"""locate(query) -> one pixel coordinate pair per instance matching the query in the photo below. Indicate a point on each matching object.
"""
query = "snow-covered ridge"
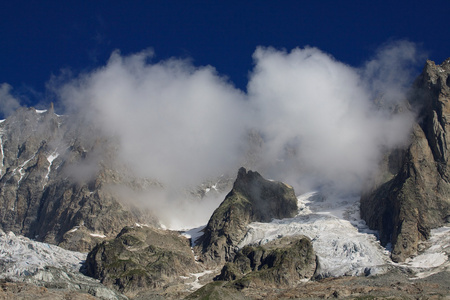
(20, 256)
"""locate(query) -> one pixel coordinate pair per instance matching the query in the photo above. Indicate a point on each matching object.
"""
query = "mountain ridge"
(415, 198)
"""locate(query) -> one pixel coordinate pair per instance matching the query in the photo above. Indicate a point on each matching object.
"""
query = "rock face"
(58, 176)
(252, 199)
(279, 264)
(282, 262)
(142, 258)
(415, 193)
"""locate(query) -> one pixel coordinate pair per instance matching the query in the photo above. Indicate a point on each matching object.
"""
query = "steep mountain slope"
(58, 180)
(415, 195)
(252, 199)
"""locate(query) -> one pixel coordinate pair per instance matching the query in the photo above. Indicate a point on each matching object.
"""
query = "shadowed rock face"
(57, 180)
(252, 199)
(415, 196)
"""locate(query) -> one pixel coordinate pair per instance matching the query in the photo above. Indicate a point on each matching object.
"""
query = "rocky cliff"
(413, 194)
(279, 263)
(58, 179)
(252, 199)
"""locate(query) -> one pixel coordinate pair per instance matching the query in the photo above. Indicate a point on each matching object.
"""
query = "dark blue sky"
(39, 38)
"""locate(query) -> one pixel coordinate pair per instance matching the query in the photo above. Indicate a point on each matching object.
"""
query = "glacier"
(20, 256)
(344, 245)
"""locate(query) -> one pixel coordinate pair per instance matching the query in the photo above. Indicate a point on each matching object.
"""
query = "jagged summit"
(416, 196)
(267, 197)
(252, 199)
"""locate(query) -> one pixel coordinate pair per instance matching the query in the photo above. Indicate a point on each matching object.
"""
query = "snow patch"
(196, 284)
(50, 159)
(99, 235)
(41, 111)
(73, 229)
(435, 258)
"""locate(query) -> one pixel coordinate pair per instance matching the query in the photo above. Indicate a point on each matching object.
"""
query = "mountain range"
(62, 182)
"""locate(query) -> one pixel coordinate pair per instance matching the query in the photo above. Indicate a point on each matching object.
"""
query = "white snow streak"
(73, 229)
(98, 235)
(50, 159)
(21, 171)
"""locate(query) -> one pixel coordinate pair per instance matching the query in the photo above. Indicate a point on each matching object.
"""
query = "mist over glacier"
(320, 120)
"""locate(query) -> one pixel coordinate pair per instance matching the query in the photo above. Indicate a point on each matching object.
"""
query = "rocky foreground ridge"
(412, 194)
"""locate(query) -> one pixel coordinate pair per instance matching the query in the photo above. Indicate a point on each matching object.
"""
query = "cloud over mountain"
(323, 123)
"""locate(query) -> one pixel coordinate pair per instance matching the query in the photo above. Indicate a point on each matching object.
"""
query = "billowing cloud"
(8, 103)
(177, 123)
(318, 117)
(319, 122)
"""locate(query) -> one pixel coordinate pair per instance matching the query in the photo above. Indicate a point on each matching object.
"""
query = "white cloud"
(8, 103)
(177, 123)
(182, 124)
(322, 112)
